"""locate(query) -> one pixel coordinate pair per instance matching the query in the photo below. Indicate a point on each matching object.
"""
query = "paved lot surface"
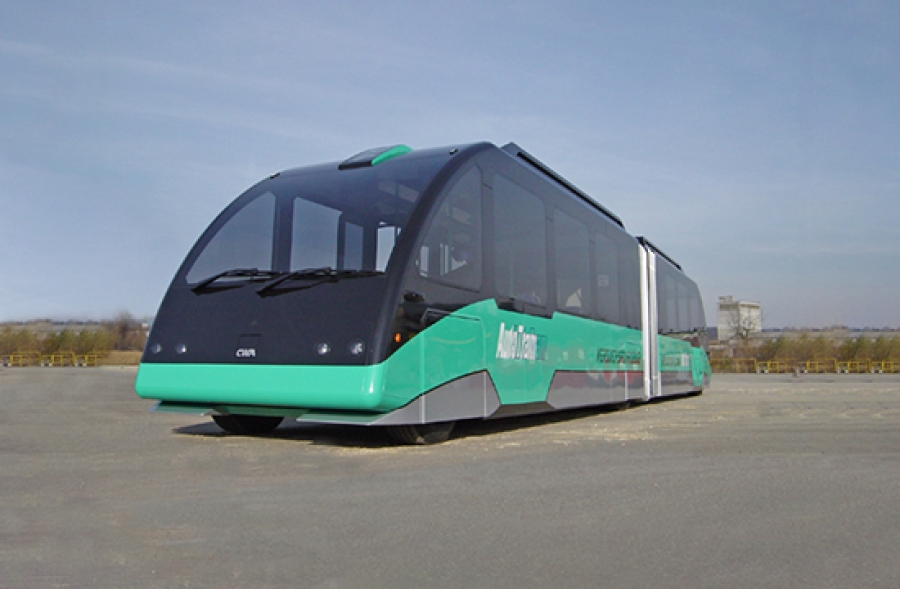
(763, 481)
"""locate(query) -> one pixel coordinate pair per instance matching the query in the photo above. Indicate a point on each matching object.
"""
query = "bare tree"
(124, 330)
(741, 325)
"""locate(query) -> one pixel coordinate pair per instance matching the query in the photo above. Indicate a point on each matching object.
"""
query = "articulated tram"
(415, 288)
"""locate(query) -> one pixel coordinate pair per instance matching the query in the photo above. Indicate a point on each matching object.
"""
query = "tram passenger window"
(573, 264)
(244, 241)
(698, 321)
(451, 249)
(684, 315)
(607, 279)
(668, 311)
(629, 279)
(520, 243)
(314, 235)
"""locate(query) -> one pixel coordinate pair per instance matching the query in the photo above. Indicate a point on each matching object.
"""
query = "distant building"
(738, 318)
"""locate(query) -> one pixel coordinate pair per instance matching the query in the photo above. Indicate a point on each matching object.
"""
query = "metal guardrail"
(774, 367)
(88, 359)
(816, 366)
(884, 367)
(23, 358)
(852, 367)
(35, 358)
(58, 359)
(739, 365)
(830, 366)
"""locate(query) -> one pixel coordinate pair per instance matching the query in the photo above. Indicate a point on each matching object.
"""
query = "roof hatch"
(374, 156)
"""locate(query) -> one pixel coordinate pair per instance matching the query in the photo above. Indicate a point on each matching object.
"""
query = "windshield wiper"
(234, 273)
(326, 274)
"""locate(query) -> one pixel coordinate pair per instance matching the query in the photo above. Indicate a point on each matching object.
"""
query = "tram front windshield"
(312, 219)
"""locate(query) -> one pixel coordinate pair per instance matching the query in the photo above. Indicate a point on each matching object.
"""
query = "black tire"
(429, 433)
(247, 425)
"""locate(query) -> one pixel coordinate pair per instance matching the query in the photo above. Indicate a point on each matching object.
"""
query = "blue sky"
(758, 143)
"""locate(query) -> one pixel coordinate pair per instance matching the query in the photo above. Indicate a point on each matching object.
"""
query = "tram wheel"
(429, 433)
(247, 425)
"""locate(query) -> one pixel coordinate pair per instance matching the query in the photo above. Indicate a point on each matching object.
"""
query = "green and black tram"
(415, 288)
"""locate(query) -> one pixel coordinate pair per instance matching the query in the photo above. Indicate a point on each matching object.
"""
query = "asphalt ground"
(763, 481)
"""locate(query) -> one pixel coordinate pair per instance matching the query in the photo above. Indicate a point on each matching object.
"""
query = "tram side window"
(607, 280)
(698, 321)
(629, 280)
(520, 243)
(451, 250)
(244, 241)
(684, 315)
(680, 308)
(573, 264)
(668, 303)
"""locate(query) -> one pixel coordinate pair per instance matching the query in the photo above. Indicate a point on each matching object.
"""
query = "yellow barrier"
(24, 358)
(852, 367)
(88, 359)
(34, 358)
(58, 359)
(733, 364)
(816, 366)
(884, 367)
(773, 367)
(808, 367)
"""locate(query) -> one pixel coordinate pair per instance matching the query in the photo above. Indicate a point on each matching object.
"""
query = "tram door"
(649, 324)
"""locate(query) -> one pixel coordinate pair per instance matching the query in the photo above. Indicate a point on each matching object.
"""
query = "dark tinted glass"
(680, 308)
(629, 267)
(314, 235)
(245, 241)
(451, 250)
(573, 264)
(607, 279)
(316, 217)
(520, 243)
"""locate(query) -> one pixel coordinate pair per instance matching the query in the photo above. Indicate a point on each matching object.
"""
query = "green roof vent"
(373, 157)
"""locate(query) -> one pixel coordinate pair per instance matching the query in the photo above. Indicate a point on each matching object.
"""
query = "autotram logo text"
(514, 343)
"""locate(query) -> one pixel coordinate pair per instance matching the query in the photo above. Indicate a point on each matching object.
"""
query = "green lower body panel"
(357, 388)
(469, 364)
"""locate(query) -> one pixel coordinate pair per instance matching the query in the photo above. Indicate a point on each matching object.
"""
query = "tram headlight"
(322, 348)
(356, 348)
(180, 349)
(156, 348)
